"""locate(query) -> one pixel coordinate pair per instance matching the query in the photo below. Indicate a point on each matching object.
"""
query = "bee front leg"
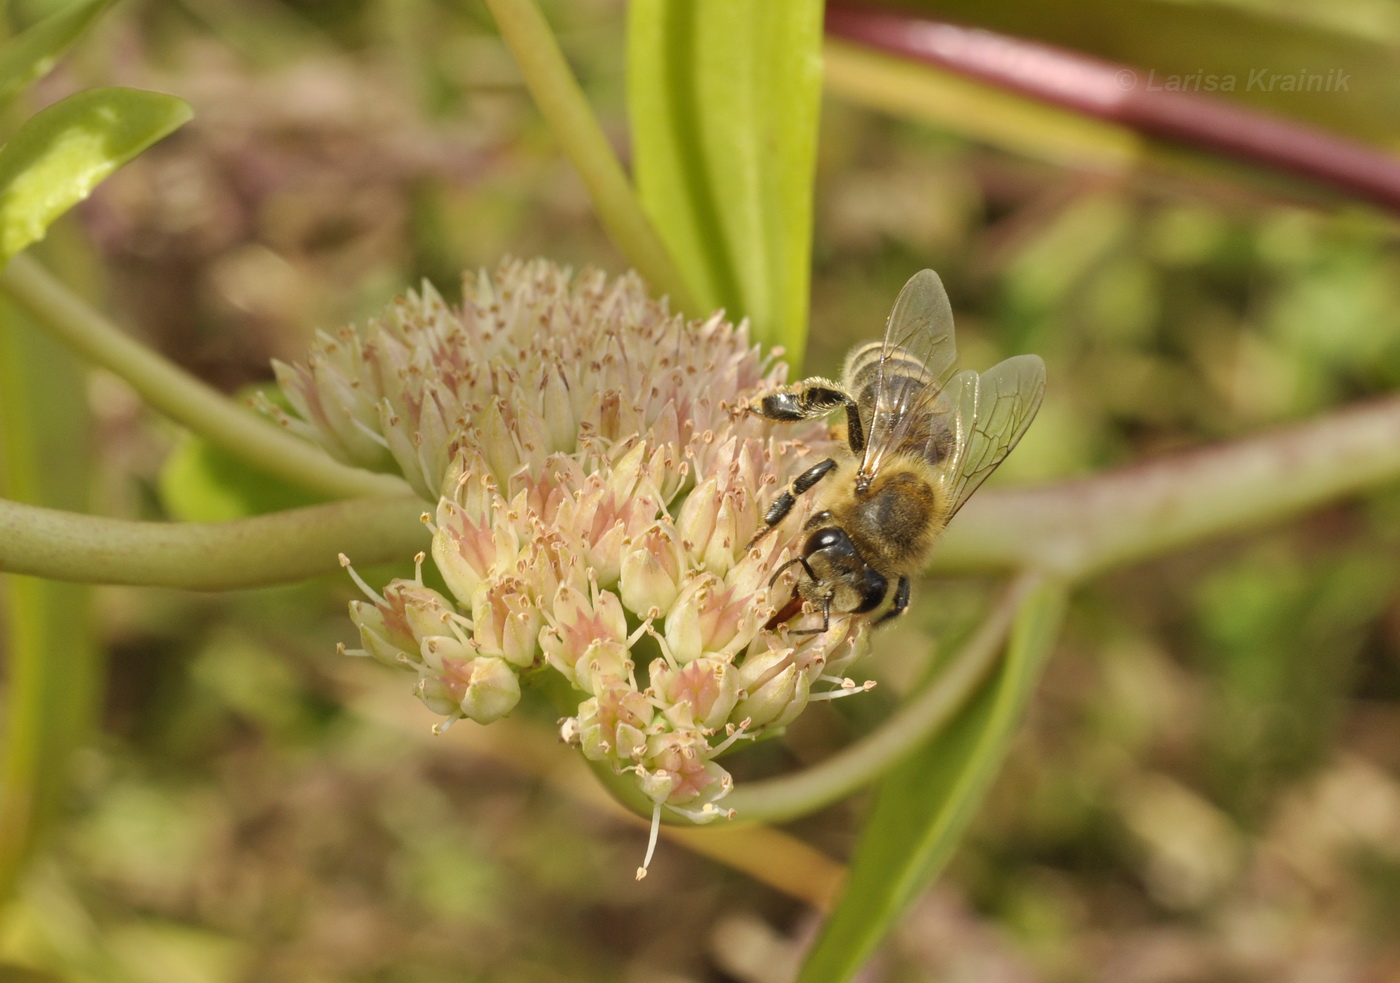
(826, 620)
(783, 504)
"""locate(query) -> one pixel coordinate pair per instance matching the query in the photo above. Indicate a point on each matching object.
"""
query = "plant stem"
(562, 104)
(182, 397)
(256, 552)
(1081, 527)
(781, 799)
(1073, 529)
(1112, 91)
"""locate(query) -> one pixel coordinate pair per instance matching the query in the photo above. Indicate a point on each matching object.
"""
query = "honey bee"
(921, 441)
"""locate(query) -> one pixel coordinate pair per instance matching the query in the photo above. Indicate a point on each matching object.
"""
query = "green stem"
(781, 799)
(1078, 528)
(182, 397)
(562, 104)
(1073, 528)
(266, 549)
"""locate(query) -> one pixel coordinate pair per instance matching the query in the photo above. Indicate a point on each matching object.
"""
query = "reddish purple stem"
(1114, 92)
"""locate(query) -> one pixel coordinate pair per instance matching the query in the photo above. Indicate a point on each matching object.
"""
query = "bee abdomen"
(863, 368)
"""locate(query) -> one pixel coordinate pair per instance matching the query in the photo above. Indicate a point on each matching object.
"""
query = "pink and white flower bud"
(506, 622)
(468, 551)
(696, 522)
(679, 762)
(575, 621)
(613, 726)
(700, 695)
(684, 634)
(775, 690)
(385, 642)
(457, 681)
(425, 611)
(492, 692)
(651, 571)
(710, 617)
(602, 666)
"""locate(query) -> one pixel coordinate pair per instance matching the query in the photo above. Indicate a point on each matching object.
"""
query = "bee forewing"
(999, 408)
(893, 379)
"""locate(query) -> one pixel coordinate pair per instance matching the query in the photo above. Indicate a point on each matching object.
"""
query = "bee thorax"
(894, 523)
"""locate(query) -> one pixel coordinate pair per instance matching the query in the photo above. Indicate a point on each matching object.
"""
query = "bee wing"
(918, 350)
(986, 416)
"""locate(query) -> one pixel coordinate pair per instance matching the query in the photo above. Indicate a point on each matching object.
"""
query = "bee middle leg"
(783, 504)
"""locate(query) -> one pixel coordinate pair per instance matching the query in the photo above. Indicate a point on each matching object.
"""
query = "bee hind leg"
(815, 397)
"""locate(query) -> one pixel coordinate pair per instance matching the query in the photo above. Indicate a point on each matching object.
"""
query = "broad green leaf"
(924, 804)
(64, 151)
(52, 666)
(31, 54)
(723, 97)
(202, 483)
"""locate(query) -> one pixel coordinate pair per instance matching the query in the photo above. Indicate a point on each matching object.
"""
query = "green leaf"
(202, 483)
(53, 668)
(723, 97)
(924, 805)
(31, 54)
(64, 151)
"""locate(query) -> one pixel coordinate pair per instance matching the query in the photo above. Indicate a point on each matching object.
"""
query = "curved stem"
(256, 552)
(1112, 91)
(182, 397)
(1081, 527)
(562, 104)
(780, 799)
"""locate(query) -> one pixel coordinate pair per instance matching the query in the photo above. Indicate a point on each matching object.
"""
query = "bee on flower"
(596, 483)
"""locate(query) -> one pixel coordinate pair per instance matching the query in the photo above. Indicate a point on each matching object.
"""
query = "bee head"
(846, 569)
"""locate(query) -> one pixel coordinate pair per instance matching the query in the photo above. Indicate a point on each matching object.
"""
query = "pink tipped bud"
(506, 622)
(775, 689)
(456, 681)
(379, 639)
(651, 570)
(492, 691)
(680, 762)
(696, 522)
(613, 726)
(699, 695)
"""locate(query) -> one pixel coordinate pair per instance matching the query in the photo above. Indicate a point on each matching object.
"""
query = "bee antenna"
(782, 569)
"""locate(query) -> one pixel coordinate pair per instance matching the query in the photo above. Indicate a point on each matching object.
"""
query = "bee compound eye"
(824, 539)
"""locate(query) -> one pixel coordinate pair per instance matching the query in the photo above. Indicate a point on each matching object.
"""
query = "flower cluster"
(598, 483)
